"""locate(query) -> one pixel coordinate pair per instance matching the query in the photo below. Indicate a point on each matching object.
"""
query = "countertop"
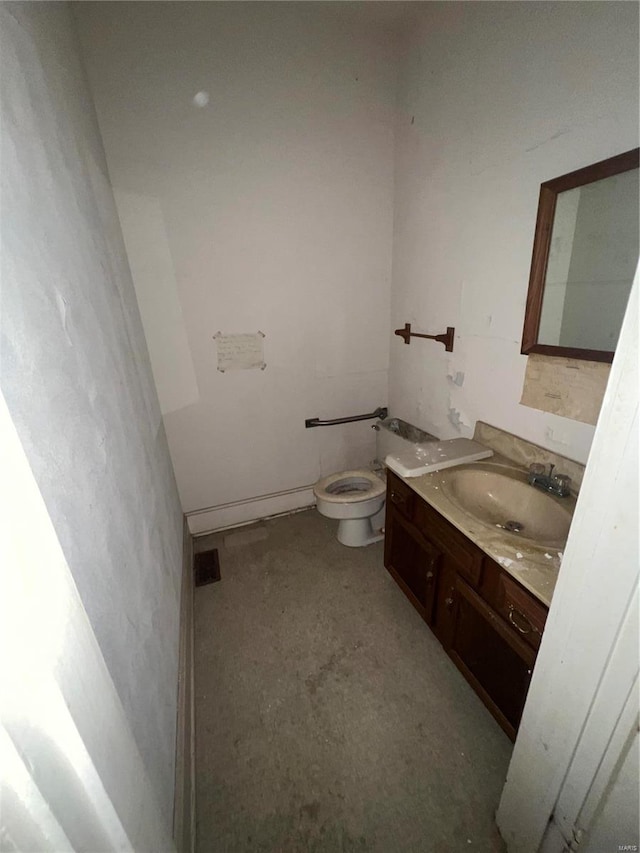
(534, 567)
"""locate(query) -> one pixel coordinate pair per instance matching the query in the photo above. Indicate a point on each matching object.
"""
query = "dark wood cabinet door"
(411, 561)
(444, 609)
(497, 663)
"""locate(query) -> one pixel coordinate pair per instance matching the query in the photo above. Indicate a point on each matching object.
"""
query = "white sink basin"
(501, 496)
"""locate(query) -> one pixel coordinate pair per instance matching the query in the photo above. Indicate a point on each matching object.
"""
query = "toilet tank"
(394, 435)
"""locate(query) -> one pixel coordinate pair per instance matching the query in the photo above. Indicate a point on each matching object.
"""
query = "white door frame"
(588, 660)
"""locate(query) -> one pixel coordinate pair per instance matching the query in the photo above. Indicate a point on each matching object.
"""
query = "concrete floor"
(328, 717)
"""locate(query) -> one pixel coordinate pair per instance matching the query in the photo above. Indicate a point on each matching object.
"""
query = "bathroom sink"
(500, 496)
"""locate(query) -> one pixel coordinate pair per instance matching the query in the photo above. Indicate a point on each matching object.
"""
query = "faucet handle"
(563, 481)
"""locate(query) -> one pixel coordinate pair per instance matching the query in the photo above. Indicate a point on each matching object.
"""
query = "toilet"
(355, 498)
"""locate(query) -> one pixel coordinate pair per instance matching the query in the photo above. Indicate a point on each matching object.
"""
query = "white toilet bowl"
(353, 497)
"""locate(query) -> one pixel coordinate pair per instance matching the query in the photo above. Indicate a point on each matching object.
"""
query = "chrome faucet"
(557, 484)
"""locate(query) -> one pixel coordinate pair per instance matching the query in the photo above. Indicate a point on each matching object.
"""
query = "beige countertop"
(535, 567)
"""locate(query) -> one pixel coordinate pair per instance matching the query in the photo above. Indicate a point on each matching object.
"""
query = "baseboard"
(235, 513)
(184, 810)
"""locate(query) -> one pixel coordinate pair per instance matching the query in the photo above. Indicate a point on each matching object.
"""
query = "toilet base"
(356, 532)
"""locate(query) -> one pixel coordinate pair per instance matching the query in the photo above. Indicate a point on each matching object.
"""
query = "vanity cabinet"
(487, 622)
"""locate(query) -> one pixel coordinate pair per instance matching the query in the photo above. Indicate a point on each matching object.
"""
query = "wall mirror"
(585, 253)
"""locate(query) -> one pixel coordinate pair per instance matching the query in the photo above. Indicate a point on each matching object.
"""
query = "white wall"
(76, 377)
(494, 99)
(271, 210)
(71, 775)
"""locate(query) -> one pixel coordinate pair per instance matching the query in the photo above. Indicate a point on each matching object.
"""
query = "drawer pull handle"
(519, 621)
(449, 601)
(397, 498)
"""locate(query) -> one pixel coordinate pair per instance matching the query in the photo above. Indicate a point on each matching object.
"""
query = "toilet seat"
(346, 487)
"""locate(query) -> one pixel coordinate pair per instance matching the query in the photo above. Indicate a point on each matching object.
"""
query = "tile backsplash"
(568, 387)
(524, 452)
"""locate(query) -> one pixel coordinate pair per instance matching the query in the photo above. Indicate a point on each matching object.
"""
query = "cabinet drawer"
(523, 611)
(400, 495)
(467, 557)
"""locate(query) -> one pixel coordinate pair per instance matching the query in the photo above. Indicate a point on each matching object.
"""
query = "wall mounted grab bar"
(381, 412)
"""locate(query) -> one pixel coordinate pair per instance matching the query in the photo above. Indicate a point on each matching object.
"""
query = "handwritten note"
(240, 352)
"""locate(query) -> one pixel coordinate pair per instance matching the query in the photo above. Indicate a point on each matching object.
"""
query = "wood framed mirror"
(585, 254)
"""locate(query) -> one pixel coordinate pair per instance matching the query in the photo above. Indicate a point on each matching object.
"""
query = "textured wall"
(76, 376)
(494, 99)
(270, 209)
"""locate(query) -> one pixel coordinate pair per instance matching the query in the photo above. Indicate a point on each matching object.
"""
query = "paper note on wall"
(240, 352)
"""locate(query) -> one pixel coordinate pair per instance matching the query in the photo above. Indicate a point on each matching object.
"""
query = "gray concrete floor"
(328, 717)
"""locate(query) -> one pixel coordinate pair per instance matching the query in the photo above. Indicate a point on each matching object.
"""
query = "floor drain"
(513, 526)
